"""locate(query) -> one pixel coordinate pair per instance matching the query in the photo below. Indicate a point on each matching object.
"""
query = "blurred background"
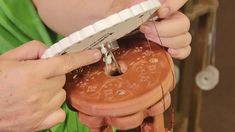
(212, 48)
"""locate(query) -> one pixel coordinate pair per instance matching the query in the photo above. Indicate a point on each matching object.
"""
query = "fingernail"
(96, 55)
(163, 12)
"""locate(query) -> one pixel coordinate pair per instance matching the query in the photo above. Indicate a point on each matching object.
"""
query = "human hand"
(172, 28)
(32, 90)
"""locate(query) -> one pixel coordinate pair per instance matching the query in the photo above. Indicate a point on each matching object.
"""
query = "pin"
(112, 67)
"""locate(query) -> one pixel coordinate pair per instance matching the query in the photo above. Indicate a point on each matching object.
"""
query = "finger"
(180, 41)
(181, 53)
(29, 51)
(61, 65)
(57, 83)
(175, 25)
(127, 122)
(52, 120)
(170, 6)
(57, 101)
(158, 108)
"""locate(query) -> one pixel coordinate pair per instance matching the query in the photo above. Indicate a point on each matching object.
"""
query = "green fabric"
(19, 23)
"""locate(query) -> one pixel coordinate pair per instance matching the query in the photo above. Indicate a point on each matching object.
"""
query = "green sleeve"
(20, 23)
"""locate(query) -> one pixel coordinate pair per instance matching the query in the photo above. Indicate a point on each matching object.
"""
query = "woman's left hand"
(172, 28)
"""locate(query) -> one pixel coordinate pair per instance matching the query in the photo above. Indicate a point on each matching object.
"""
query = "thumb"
(52, 120)
(28, 51)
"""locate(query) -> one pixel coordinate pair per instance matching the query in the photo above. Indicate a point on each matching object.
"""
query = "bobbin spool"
(123, 101)
(177, 73)
(208, 79)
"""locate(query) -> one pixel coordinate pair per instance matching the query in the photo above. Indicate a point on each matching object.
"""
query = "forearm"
(67, 16)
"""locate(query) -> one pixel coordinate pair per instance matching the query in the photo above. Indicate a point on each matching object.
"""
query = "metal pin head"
(112, 67)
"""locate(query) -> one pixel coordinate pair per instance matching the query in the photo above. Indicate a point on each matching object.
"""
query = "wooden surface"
(149, 75)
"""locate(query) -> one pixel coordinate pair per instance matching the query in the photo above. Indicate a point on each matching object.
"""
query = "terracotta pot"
(122, 101)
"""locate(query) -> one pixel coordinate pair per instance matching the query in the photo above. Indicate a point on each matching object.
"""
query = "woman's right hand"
(32, 89)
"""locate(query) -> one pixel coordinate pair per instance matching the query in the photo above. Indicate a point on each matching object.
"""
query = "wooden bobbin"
(123, 101)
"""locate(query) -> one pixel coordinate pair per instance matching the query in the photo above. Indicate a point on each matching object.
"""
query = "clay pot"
(122, 101)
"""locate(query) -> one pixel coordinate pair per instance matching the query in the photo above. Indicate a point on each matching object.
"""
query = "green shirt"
(20, 23)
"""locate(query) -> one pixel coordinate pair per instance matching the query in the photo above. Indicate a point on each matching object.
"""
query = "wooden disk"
(149, 68)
